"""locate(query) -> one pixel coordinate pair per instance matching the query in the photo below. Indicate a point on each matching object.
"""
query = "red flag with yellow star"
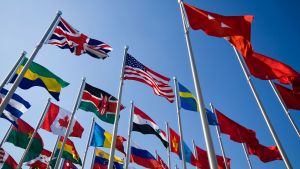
(174, 142)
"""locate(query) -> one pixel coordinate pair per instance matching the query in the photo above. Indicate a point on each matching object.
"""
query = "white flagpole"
(93, 159)
(6, 135)
(53, 152)
(176, 167)
(169, 148)
(129, 135)
(116, 124)
(70, 123)
(195, 151)
(33, 135)
(26, 66)
(207, 136)
(89, 141)
(179, 123)
(262, 109)
(284, 107)
(247, 155)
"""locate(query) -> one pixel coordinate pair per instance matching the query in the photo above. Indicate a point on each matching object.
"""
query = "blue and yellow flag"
(187, 100)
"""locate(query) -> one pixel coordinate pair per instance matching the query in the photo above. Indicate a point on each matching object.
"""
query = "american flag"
(66, 37)
(134, 70)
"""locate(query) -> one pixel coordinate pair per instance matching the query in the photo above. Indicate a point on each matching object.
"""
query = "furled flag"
(264, 153)
(161, 162)
(217, 25)
(102, 138)
(15, 107)
(6, 161)
(103, 104)
(21, 136)
(134, 70)
(57, 120)
(102, 158)
(37, 75)
(68, 165)
(41, 161)
(291, 100)
(144, 124)
(66, 37)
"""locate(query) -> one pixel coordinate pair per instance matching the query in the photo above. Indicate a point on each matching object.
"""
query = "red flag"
(264, 153)
(217, 25)
(203, 160)
(291, 100)
(6, 161)
(161, 162)
(41, 161)
(68, 165)
(174, 142)
(242, 45)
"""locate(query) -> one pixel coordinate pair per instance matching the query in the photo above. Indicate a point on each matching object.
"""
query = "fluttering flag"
(15, 107)
(144, 124)
(291, 99)
(161, 162)
(37, 75)
(102, 158)
(68, 165)
(41, 161)
(69, 153)
(101, 103)
(66, 37)
(102, 138)
(264, 153)
(57, 120)
(21, 136)
(203, 160)
(134, 70)
(6, 161)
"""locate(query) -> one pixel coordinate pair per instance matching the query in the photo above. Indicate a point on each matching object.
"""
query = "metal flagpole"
(247, 155)
(284, 107)
(169, 148)
(53, 152)
(62, 163)
(70, 123)
(179, 123)
(206, 131)
(195, 151)
(93, 160)
(116, 124)
(176, 167)
(33, 135)
(89, 142)
(129, 135)
(6, 135)
(13, 70)
(26, 66)
(262, 109)
(219, 137)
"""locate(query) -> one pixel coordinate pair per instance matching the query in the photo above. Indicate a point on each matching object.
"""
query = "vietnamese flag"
(291, 100)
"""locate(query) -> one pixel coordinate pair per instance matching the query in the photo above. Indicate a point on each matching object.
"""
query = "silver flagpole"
(6, 135)
(70, 123)
(129, 135)
(219, 137)
(89, 142)
(169, 148)
(176, 167)
(116, 124)
(262, 109)
(13, 70)
(93, 160)
(62, 163)
(247, 155)
(284, 107)
(26, 66)
(33, 134)
(179, 123)
(53, 152)
(195, 151)
(206, 131)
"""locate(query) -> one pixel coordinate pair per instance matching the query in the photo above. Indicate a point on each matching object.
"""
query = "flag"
(217, 25)
(102, 138)
(134, 70)
(264, 153)
(144, 124)
(66, 37)
(37, 75)
(6, 161)
(291, 100)
(102, 158)
(57, 120)
(101, 103)
(41, 161)
(203, 160)
(21, 136)
(69, 153)
(211, 117)
(68, 165)
(161, 162)
(15, 107)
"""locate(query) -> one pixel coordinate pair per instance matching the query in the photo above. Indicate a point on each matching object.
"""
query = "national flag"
(102, 138)
(264, 153)
(101, 103)
(69, 153)
(217, 25)
(6, 161)
(41, 161)
(102, 158)
(57, 120)
(66, 37)
(21, 136)
(37, 75)
(68, 165)
(15, 107)
(163, 165)
(134, 70)
(203, 160)
(144, 124)
(291, 99)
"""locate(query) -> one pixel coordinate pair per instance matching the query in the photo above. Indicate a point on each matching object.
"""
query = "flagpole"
(195, 151)
(247, 155)
(13, 70)
(6, 135)
(169, 148)
(284, 107)
(116, 124)
(62, 163)
(262, 109)
(53, 152)
(179, 123)
(176, 167)
(129, 135)
(93, 160)
(26, 66)
(219, 136)
(89, 141)
(206, 131)
(70, 123)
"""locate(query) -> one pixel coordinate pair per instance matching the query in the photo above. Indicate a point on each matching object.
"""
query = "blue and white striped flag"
(15, 107)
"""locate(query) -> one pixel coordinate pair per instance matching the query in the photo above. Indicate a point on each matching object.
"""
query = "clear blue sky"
(154, 33)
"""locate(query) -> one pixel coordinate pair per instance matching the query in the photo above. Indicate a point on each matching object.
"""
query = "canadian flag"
(57, 120)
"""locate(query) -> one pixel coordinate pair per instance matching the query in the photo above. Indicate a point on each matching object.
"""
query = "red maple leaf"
(64, 121)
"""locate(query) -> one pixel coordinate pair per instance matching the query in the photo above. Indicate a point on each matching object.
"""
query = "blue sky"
(154, 33)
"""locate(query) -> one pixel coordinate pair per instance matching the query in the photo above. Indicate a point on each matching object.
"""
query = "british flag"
(66, 37)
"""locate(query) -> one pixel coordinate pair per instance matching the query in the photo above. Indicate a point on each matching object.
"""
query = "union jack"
(66, 37)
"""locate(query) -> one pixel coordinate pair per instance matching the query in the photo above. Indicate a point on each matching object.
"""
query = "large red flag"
(174, 142)
(291, 100)
(203, 160)
(264, 153)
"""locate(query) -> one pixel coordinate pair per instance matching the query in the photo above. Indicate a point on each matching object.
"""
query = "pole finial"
(59, 12)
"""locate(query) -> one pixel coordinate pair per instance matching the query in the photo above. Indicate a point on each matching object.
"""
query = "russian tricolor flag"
(143, 157)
